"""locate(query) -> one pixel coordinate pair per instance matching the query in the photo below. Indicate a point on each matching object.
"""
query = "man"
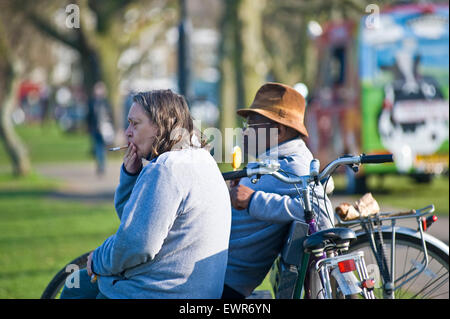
(262, 212)
(174, 212)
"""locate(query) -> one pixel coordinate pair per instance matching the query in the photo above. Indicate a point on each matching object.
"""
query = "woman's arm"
(129, 173)
(123, 191)
(146, 220)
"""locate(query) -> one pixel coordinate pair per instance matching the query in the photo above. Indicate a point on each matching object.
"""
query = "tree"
(231, 93)
(242, 57)
(101, 37)
(9, 82)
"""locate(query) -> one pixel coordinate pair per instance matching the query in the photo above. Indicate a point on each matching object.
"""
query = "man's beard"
(254, 145)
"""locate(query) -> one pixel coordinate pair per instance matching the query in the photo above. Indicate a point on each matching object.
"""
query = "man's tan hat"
(281, 104)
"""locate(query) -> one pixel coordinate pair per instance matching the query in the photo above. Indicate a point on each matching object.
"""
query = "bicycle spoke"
(443, 293)
(438, 286)
(436, 296)
(410, 270)
(406, 274)
(405, 263)
(429, 292)
(432, 282)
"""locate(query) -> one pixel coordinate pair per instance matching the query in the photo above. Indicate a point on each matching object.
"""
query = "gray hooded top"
(172, 241)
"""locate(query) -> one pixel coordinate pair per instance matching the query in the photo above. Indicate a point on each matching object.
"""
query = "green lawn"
(403, 192)
(39, 235)
(48, 144)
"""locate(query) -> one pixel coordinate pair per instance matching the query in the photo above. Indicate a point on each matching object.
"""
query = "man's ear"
(282, 131)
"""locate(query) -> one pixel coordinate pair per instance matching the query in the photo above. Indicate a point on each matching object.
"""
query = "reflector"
(347, 265)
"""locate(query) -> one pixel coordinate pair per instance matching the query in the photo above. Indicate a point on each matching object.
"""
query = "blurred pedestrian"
(100, 125)
(44, 103)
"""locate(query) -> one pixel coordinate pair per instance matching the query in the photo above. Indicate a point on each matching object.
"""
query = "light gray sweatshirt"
(258, 233)
(174, 228)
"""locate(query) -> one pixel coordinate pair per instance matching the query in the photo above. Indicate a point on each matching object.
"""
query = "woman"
(175, 212)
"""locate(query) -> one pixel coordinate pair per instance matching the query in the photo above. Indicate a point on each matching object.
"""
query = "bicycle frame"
(323, 265)
(271, 167)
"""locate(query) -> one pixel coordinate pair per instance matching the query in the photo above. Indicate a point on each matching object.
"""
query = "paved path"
(80, 182)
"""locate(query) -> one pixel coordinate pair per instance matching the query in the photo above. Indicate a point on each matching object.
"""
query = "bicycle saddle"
(329, 238)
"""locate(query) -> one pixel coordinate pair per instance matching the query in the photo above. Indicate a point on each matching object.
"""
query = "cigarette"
(118, 148)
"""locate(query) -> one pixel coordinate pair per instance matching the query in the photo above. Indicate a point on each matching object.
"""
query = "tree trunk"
(99, 54)
(242, 61)
(254, 68)
(9, 84)
(229, 60)
(109, 54)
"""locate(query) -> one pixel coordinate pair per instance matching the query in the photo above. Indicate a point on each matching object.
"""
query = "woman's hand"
(131, 161)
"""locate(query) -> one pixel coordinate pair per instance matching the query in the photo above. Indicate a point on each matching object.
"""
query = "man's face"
(261, 135)
(141, 130)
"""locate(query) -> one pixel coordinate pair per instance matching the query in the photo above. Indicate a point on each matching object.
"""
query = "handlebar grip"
(384, 158)
(234, 174)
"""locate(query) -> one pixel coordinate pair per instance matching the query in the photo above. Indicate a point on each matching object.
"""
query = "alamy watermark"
(253, 141)
(73, 16)
(73, 280)
(372, 21)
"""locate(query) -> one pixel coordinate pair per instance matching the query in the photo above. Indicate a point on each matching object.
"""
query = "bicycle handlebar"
(235, 174)
(271, 168)
(375, 159)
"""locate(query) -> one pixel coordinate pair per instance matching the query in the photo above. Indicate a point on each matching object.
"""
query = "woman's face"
(141, 130)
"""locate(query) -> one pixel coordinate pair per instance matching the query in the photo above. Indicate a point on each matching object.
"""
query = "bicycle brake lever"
(354, 167)
(256, 179)
(264, 168)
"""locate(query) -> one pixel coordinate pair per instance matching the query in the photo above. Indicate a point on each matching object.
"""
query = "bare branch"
(50, 30)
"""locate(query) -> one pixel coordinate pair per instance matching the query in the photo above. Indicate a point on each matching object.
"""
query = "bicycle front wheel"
(432, 283)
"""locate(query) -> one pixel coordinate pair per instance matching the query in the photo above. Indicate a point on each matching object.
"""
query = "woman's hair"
(170, 113)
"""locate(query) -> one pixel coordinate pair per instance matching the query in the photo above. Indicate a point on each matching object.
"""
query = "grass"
(265, 285)
(49, 144)
(403, 192)
(39, 235)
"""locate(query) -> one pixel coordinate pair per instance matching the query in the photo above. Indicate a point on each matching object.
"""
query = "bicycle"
(317, 264)
(423, 258)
